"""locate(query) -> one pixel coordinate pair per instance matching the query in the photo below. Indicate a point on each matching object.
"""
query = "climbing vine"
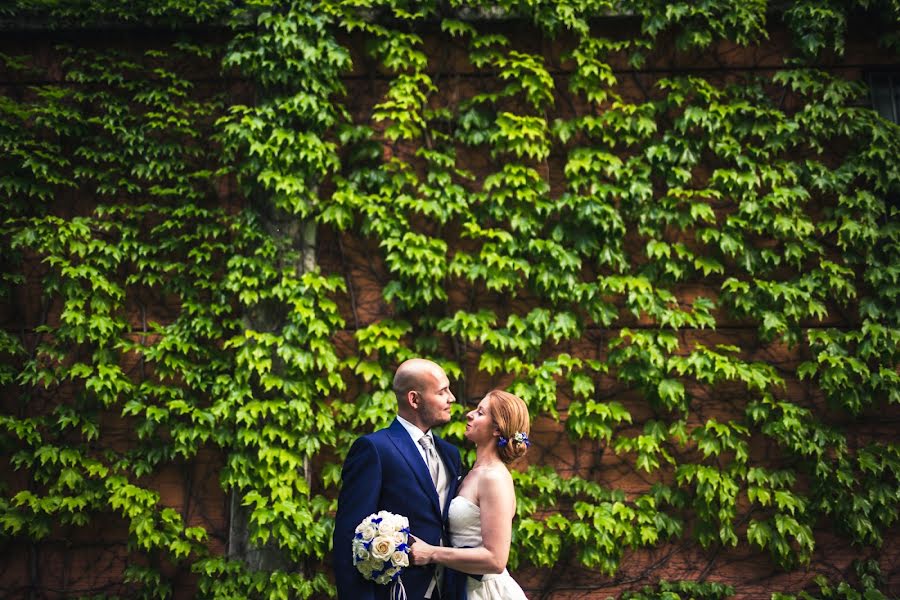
(689, 274)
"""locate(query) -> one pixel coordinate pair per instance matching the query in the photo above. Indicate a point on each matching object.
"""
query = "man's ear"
(412, 397)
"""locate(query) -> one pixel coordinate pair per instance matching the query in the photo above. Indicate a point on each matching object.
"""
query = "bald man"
(389, 470)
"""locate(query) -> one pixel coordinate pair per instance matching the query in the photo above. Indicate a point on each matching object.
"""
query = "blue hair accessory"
(520, 437)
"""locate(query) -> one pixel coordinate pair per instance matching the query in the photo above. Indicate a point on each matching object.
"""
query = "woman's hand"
(420, 552)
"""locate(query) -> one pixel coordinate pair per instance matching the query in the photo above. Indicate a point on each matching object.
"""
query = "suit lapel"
(401, 439)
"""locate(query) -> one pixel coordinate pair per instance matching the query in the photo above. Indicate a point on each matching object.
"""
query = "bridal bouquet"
(381, 549)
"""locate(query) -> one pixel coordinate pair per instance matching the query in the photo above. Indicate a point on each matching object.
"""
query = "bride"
(481, 514)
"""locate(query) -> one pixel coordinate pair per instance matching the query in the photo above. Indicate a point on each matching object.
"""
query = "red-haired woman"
(481, 514)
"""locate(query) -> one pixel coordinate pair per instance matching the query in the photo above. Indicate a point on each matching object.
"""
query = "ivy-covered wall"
(670, 227)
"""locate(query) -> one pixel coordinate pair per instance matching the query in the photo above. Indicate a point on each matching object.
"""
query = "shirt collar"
(414, 432)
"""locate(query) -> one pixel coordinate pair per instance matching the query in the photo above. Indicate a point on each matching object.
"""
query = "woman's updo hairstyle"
(510, 415)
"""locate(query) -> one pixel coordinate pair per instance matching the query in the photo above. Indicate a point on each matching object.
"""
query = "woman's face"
(480, 425)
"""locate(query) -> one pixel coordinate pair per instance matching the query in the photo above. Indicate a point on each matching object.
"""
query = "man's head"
(423, 393)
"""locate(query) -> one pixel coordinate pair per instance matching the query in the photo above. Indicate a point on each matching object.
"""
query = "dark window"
(885, 91)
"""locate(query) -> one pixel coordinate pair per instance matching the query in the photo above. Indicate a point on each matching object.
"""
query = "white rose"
(387, 576)
(386, 527)
(400, 558)
(366, 569)
(400, 537)
(359, 550)
(366, 530)
(382, 547)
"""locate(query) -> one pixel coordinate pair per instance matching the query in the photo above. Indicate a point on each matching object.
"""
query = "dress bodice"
(465, 523)
(465, 532)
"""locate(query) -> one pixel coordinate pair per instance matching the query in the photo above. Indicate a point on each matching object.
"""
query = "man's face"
(435, 399)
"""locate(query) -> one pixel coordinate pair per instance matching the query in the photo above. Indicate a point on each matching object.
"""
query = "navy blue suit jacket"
(385, 471)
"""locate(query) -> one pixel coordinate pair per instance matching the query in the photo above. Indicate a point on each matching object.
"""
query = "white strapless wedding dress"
(465, 531)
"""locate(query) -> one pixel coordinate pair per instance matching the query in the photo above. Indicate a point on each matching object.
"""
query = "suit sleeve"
(358, 498)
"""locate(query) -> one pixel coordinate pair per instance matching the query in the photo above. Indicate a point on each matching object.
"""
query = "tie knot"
(426, 442)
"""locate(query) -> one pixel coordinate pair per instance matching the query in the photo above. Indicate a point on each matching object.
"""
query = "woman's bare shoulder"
(494, 478)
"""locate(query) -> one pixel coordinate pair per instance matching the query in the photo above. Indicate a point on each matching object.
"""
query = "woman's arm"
(496, 498)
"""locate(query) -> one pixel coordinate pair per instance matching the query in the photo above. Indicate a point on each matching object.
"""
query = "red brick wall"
(73, 561)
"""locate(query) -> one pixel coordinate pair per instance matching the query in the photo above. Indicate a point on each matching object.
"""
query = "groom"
(395, 470)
